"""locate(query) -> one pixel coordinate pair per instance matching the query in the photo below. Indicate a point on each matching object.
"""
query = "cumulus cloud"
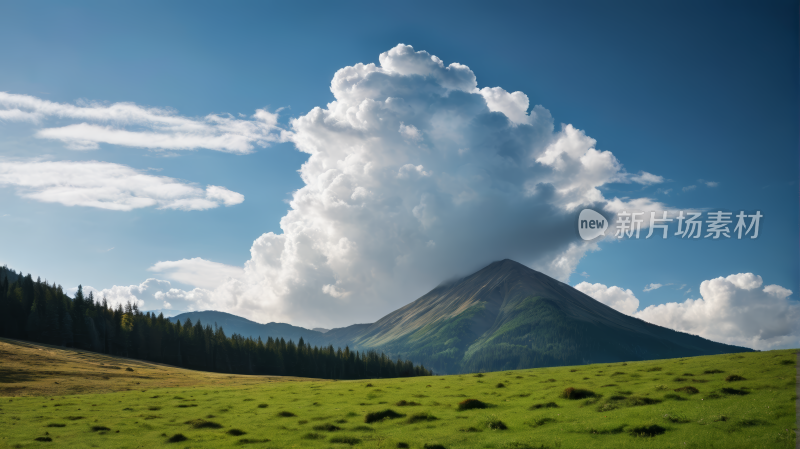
(617, 298)
(416, 175)
(131, 125)
(734, 309)
(651, 287)
(197, 272)
(109, 186)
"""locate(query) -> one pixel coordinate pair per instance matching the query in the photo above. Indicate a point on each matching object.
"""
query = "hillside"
(30, 369)
(508, 316)
(235, 324)
(723, 401)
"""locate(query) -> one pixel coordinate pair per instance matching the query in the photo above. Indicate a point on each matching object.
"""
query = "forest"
(43, 313)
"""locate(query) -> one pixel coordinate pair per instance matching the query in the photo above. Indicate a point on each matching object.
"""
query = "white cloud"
(109, 186)
(712, 183)
(617, 298)
(415, 176)
(197, 272)
(689, 188)
(646, 178)
(131, 125)
(733, 310)
(651, 287)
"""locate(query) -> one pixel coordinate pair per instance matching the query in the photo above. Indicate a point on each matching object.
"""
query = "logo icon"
(591, 224)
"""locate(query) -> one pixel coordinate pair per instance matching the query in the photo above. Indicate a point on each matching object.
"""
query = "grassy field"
(729, 401)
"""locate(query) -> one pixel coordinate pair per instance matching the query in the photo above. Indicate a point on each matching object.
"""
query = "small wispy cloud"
(585, 274)
(105, 185)
(131, 125)
(708, 183)
(689, 188)
(646, 178)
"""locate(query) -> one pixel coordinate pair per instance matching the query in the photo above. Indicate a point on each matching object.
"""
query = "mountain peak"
(515, 317)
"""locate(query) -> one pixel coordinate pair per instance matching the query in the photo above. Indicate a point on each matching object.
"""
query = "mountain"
(505, 316)
(508, 316)
(235, 324)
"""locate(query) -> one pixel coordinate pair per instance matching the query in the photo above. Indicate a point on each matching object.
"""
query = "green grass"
(686, 403)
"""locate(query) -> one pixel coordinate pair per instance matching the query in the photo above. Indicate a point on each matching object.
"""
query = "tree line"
(43, 313)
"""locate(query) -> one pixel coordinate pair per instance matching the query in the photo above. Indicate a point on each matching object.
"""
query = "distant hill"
(235, 324)
(508, 316)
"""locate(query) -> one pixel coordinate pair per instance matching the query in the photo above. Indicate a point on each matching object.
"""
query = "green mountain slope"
(507, 316)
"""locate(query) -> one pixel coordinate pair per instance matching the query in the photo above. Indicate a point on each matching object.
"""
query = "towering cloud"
(416, 175)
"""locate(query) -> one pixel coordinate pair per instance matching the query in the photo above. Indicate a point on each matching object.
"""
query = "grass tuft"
(649, 430)
(345, 440)
(43, 439)
(734, 378)
(577, 393)
(236, 432)
(469, 404)
(203, 424)
(420, 417)
(327, 427)
(543, 405)
(735, 392)
(286, 414)
(56, 425)
(381, 415)
(433, 446)
(687, 390)
(99, 428)
(312, 436)
(713, 371)
(252, 441)
(263, 405)
(405, 403)
(177, 438)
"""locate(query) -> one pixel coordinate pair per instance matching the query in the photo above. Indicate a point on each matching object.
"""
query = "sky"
(325, 164)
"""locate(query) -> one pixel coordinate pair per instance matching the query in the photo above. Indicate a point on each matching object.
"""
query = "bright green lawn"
(762, 415)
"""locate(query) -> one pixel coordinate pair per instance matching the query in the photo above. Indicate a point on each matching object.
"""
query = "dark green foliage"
(74, 418)
(787, 362)
(402, 445)
(313, 436)
(345, 440)
(501, 385)
(43, 439)
(43, 313)
(252, 441)
(713, 371)
(384, 414)
(469, 404)
(544, 405)
(236, 432)
(577, 393)
(263, 405)
(470, 429)
(99, 428)
(404, 403)
(177, 438)
(203, 424)
(56, 425)
(327, 428)
(649, 430)
(734, 378)
(419, 417)
(363, 429)
(433, 446)
(285, 414)
(687, 390)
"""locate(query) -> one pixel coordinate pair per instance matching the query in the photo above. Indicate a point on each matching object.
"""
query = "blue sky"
(694, 93)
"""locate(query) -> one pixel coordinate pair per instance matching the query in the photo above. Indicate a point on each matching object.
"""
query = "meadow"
(727, 401)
